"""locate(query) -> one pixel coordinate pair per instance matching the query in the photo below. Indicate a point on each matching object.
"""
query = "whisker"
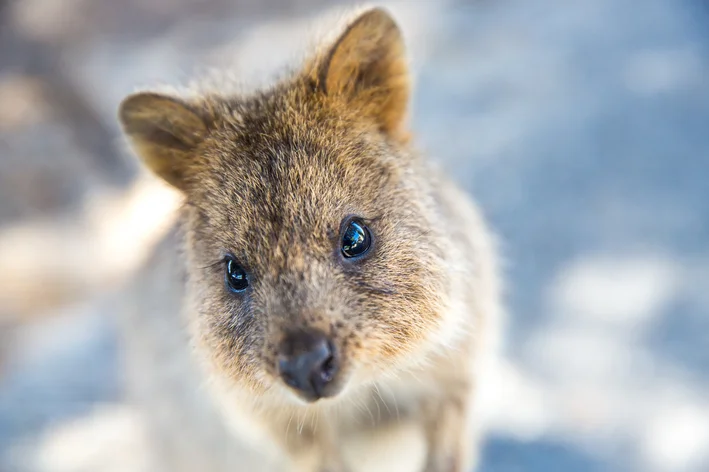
(376, 389)
(301, 423)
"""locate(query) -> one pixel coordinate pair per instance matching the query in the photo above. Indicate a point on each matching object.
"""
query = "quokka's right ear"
(164, 132)
(367, 67)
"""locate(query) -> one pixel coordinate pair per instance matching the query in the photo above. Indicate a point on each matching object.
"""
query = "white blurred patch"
(514, 404)
(579, 355)
(112, 237)
(678, 438)
(127, 226)
(615, 291)
(112, 439)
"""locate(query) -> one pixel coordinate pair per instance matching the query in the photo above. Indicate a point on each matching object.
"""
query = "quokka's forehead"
(290, 181)
(299, 210)
(285, 125)
(269, 201)
(296, 170)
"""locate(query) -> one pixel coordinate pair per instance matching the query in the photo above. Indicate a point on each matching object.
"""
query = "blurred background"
(581, 126)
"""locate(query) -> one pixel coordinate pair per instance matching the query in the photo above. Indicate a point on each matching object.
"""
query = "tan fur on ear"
(164, 132)
(367, 66)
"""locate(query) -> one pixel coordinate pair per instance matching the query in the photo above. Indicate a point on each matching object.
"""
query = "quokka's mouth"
(307, 399)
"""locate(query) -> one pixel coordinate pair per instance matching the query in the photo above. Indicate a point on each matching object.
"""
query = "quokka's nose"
(308, 363)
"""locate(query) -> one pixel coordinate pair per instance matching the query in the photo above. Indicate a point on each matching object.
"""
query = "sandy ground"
(582, 127)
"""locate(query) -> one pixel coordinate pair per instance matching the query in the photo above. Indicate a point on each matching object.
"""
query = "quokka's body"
(327, 299)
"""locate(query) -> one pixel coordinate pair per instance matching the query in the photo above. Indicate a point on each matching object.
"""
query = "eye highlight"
(356, 240)
(235, 277)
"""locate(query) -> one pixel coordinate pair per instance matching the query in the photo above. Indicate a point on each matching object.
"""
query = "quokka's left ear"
(164, 132)
(366, 66)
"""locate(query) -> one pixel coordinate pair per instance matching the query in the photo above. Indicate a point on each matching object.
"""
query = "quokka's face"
(312, 254)
(313, 263)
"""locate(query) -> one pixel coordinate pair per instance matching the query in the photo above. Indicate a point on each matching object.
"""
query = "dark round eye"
(356, 240)
(235, 276)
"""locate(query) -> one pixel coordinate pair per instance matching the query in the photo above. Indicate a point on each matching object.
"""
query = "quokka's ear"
(164, 132)
(367, 66)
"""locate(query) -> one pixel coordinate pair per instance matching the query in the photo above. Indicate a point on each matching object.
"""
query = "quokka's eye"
(235, 276)
(356, 239)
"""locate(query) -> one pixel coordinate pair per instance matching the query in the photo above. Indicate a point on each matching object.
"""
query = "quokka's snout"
(309, 362)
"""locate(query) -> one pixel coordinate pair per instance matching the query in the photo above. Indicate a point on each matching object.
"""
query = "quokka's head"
(313, 254)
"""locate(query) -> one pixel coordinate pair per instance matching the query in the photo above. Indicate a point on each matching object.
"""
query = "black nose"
(308, 363)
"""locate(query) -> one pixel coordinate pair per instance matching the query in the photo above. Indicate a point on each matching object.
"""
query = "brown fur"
(269, 177)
